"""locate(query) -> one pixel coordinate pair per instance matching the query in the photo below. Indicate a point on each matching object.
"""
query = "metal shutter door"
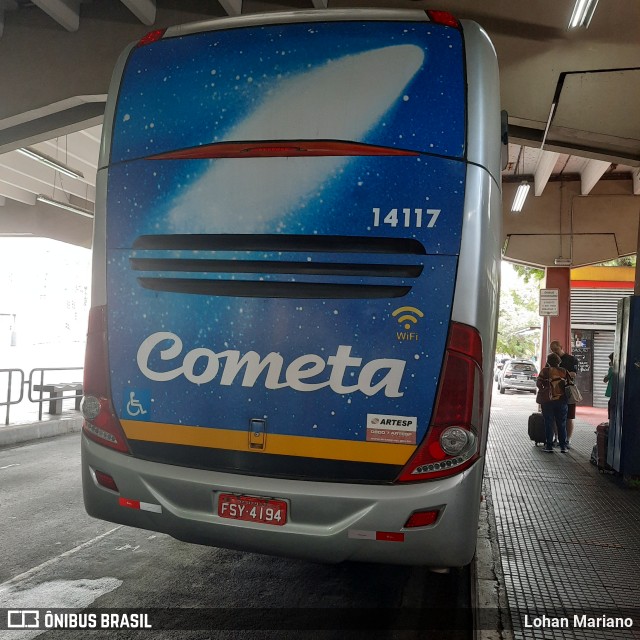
(596, 306)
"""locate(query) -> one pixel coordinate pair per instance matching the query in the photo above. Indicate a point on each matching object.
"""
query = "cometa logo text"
(308, 372)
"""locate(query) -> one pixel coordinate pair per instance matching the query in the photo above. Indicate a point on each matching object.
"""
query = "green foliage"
(529, 274)
(518, 322)
(625, 261)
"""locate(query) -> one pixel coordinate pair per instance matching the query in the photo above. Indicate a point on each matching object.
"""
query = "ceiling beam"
(15, 193)
(232, 7)
(29, 175)
(636, 182)
(592, 172)
(533, 137)
(65, 12)
(4, 5)
(29, 129)
(544, 167)
(144, 10)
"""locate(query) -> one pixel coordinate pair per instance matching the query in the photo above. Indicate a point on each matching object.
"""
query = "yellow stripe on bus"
(301, 446)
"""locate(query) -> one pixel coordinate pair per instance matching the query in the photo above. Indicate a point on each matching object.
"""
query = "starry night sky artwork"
(393, 84)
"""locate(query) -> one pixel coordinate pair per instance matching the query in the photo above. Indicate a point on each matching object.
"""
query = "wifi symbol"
(409, 316)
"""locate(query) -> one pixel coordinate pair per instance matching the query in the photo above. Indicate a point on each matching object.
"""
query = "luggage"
(602, 442)
(536, 428)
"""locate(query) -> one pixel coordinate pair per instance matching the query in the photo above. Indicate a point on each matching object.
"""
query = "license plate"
(252, 509)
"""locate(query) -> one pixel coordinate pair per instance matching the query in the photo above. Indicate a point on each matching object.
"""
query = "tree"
(625, 261)
(518, 319)
(529, 273)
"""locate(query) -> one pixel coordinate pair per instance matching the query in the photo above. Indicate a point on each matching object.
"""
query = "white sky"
(44, 286)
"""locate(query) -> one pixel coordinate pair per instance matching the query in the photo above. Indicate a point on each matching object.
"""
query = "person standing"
(570, 363)
(609, 380)
(551, 383)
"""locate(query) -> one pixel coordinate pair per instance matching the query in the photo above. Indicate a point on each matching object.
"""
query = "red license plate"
(252, 509)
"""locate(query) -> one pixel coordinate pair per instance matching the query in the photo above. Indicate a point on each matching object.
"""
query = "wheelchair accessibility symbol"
(136, 403)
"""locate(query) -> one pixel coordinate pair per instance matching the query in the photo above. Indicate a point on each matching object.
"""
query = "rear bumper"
(327, 522)
(518, 386)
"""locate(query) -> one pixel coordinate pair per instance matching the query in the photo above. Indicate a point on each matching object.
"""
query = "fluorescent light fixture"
(562, 262)
(50, 162)
(521, 196)
(582, 13)
(65, 205)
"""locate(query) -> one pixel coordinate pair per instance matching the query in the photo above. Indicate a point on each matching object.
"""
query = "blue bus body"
(295, 286)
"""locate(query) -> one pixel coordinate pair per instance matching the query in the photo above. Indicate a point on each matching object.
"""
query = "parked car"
(500, 362)
(518, 375)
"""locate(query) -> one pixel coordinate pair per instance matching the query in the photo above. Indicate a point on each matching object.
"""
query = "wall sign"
(549, 305)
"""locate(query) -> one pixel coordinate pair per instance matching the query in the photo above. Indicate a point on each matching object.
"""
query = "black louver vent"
(227, 265)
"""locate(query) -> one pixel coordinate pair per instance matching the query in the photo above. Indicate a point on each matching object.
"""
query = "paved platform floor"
(25, 424)
(564, 538)
(568, 536)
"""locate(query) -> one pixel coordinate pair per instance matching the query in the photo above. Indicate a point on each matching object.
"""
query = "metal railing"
(9, 402)
(57, 390)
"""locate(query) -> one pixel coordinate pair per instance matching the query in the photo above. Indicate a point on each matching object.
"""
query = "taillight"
(452, 441)
(100, 421)
(151, 37)
(445, 18)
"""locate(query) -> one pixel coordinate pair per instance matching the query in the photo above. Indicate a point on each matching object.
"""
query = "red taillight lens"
(422, 518)
(452, 441)
(455, 400)
(101, 423)
(445, 18)
(96, 369)
(151, 37)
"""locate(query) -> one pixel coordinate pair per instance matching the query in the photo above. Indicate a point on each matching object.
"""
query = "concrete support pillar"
(558, 278)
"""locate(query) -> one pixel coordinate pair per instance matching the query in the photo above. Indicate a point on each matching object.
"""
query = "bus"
(295, 286)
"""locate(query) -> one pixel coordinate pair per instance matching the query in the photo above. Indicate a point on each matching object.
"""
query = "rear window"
(393, 84)
(521, 367)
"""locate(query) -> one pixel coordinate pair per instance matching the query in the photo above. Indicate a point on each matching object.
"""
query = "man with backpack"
(570, 363)
(551, 383)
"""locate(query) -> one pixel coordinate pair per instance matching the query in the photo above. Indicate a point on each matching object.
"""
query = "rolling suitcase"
(536, 428)
(602, 444)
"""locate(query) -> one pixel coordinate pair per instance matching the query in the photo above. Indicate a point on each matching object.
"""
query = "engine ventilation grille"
(254, 266)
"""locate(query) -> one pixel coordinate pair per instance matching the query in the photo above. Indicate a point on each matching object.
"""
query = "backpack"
(556, 382)
(557, 379)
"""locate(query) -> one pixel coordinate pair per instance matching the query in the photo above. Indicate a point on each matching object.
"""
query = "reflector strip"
(382, 536)
(142, 506)
(389, 536)
(422, 519)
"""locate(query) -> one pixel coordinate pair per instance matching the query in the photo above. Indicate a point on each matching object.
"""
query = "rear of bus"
(295, 286)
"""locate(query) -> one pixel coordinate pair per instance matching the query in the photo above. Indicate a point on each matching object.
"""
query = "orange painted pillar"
(558, 278)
